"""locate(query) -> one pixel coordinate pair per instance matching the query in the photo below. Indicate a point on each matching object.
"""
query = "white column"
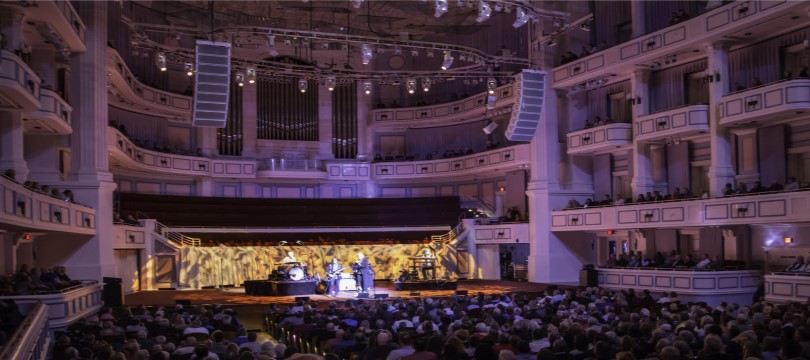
(249, 120)
(207, 140)
(499, 203)
(11, 143)
(89, 178)
(642, 181)
(637, 14)
(365, 130)
(721, 170)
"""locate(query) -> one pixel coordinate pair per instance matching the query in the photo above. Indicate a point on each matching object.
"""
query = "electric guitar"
(334, 273)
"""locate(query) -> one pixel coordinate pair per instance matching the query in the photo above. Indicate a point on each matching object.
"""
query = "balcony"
(787, 287)
(35, 211)
(64, 307)
(768, 104)
(717, 24)
(464, 110)
(600, 139)
(691, 285)
(31, 339)
(128, 155)
(63, 20)
(502, 159)
(766, 208)
(52, 118)
(674, 123)
(128, 93)
(501, 233)
(19, 85)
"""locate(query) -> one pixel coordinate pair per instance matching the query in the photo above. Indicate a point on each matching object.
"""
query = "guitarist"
(333, 271)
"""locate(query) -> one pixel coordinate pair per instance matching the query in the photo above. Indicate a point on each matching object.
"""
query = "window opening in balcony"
(618, 107)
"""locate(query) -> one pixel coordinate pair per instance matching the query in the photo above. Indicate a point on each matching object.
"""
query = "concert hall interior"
(361, 149)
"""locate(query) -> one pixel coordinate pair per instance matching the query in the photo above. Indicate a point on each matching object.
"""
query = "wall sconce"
(788, 240)
(743, 9)
(633, 100)
(712, 76)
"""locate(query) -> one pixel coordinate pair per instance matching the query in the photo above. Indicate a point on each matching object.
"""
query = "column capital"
(723, 45)
(641, 73)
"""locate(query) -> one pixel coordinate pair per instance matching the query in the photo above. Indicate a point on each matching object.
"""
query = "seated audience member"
(688, 261)
(775, 186)
(607, 200)
(676, 194)
(641, 198)
(646, 262)
(589, 203)
(797, 265)
(621, 261)
(704, 263)
(717, 262)
(728, 190)
(573, 204)
(757, 188)
(742, 188)
(657, 196)
(612, 260)
(803, 72)
(792, 184)
(634, 262)
(677, 261)
(11, 174)
(619, 200)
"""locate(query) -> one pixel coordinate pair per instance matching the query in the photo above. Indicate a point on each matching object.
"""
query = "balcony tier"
(599, 139)
(464, 110)
(63, 20)
(53, 116)
(782, 288)
(717, 24)
(64, 308)
(674, 123)
(128, 93)
(778, 207)
(769, 104)
(129, 155)
(501, 159)
(19, 85)
(33, 211)
(712, 287)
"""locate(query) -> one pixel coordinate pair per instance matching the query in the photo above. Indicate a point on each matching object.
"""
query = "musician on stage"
(333, 271)
(428, 264)
(290, 258)
(364, 275)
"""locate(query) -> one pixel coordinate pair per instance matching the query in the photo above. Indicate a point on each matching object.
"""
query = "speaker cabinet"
(526, 111)
(212, 84)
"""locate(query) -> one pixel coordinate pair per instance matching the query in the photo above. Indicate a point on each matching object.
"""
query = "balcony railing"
(710, 26)
(18, 83)
(63, 20)
(31, 339)
(132, 95)
(501, 158)
(674, 123)
(779, 101)
(461, 110)
(600, 138)
(64, 307)
(787, 287)
(133, 156)
(54, 114)
(36, 211)
(762, 208)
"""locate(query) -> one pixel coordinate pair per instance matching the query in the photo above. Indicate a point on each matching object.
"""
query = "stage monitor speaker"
(526, 111)
(381, 296)
(183, 302)
(490, 127)
(212, 84)
(362, 295)
(461, 292)
(302, 298)
(415, 293)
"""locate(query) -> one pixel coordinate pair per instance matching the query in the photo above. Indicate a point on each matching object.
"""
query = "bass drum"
(296, 273)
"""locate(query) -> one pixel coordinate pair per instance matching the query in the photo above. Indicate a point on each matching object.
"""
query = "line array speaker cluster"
(526, 111)
(212, 84)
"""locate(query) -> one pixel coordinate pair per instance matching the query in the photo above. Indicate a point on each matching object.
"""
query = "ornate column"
(642, 181)
(11, 23)
(639, 20)
(249, 120)
(721, 170)
(11, 123)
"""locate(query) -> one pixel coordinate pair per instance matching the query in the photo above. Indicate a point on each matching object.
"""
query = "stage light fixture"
(189, 69)
(331, 81)
(426, 84)
(397, 50)
(302, 85)
(240, 79)
(357, 3)
(429, 53)
(441, 8)
(161, 61)
(271, 45)
(484, 11)
(410, 84)
(367, 87)
(414, 52)
(366, 53)
(448, 60)
(251, 75)
(491, 85)
(521, 18)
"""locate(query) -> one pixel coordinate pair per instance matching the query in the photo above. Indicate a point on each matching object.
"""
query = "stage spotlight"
(448, 60)
(161, 61)
(331, 81)
(240, 79)
(302, 85)
(441, 8)
(484, 11)
(366, 53)
(251, 75)
(521, 18)
(491, 85)
(410, 84)
(189, 69)
(426, 84)
(271, 45)
(367, 87)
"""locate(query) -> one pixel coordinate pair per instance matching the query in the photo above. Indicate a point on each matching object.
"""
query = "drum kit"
(291, 272)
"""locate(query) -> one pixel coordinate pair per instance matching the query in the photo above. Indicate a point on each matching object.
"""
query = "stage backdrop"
(211, 266)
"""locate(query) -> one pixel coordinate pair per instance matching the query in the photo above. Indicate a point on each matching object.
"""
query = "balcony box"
(599, 139)
(19, 85)
(768, 104)
(673, 123)
(53, 116)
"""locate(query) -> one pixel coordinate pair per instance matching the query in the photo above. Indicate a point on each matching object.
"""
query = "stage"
(237, 295)
(425, 285)
(280, 288)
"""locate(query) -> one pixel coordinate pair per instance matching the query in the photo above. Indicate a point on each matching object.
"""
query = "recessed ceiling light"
(748, 34)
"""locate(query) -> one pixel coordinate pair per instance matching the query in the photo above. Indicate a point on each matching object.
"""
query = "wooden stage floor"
(236, 296)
